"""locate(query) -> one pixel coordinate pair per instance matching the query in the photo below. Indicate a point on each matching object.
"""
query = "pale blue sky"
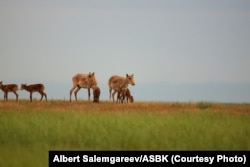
(178, 50)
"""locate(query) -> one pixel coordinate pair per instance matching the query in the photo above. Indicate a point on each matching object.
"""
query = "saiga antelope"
(117, 83)
(34, 88)
(125, 95)
(82, 81)
(9, 88)
(96, 93)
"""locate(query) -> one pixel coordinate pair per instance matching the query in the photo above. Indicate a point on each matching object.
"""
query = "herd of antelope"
(116, 84)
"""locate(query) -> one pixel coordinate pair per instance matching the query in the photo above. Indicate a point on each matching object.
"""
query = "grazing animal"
(117, 83)
(96, 93)
(124, 95)
(34, 88)
(82, 81)
(9, 88)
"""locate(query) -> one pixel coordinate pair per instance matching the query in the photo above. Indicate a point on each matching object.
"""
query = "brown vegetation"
(107, 107)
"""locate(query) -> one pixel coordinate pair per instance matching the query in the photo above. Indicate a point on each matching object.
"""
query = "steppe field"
(29, 130)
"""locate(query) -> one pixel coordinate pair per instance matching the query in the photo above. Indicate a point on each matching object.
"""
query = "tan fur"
(34, 88)
(96, 93)
(124, 95)
(117, 83)
(9, 88)
(82, 81)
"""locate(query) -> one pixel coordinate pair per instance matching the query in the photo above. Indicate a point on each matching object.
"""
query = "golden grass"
(107, 106)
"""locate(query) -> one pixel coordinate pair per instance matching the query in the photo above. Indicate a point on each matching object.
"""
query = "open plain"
(29, 130)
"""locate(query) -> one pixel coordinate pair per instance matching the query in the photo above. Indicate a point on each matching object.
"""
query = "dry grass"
(107, 106)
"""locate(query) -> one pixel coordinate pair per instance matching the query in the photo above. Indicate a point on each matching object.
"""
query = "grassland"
(29, 130)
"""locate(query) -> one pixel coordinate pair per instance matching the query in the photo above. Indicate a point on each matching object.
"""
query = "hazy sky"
(177, 49)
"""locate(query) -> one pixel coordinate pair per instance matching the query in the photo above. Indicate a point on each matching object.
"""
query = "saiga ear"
(92, 73)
